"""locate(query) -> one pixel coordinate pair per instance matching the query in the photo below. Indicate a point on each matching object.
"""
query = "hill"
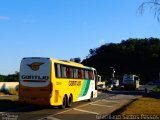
(136, 56)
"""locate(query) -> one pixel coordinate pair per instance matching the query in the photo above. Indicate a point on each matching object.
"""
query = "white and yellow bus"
(47, 81)
(131, 81)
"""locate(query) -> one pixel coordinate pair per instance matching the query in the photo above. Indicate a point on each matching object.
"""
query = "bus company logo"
(35, 66)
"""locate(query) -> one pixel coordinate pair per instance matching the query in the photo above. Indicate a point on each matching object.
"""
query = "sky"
(65, 29)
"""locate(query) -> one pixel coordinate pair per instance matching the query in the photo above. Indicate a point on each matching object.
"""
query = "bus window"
(136, 78)
(75, 73)
(64, 73)
(71, 73)
(80, 74)
(58, 70)
(68, 72)
(86, 74)
(90, 75)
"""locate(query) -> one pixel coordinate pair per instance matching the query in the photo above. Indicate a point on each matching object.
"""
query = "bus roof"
(65, 62)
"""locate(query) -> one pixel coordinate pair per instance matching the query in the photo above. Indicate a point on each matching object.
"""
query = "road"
(100, 107)
(104, 104)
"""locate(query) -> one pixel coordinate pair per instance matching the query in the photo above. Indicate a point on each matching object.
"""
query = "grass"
(156, 90)
(144, 105)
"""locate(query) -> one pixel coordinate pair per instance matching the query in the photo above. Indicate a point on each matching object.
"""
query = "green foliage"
(77, 60)
(10, 77)
(136, 56)
(156, 90)
(154, 6)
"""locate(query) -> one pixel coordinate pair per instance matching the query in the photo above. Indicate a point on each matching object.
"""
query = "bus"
(47, 81)
(131, 81)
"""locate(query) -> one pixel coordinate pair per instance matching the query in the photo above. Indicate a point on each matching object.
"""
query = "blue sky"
(64, 29)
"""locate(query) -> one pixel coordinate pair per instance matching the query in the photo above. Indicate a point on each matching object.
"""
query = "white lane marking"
(69, 110)
(101, 105)
(87, 104)
(85, 111)
(49, 118)
(110, 101)
(61, 112)
(75, 107)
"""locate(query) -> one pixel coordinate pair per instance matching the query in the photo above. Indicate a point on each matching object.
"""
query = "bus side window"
(86, 74)
(75, 73)
(80, 74)
(64, 72)
(68, 72)
(58, 70)
(90, 75)
(71, 73)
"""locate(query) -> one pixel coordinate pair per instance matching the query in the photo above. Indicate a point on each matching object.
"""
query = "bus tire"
(70, 100)
(64, 103)
(91, 97)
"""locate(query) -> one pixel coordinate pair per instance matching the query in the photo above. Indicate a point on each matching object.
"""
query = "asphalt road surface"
(101, 107)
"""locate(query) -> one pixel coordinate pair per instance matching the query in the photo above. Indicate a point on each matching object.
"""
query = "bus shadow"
(15, 106)
(10, 106)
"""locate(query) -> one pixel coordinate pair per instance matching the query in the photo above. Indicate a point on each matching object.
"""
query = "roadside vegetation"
(147, 105)
(144, 105)
(156, 90)
(10, 77)
(132, 56)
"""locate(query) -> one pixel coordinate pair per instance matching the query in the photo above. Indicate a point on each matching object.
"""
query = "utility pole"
(112, 72)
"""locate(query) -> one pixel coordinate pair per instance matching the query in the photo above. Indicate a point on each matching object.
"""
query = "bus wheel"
(64, 103)
(91, 97)
(70, 100)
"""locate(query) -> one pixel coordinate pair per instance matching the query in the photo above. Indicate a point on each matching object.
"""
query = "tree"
(154, 5)
(77, 60)
(10, 78)
(132, 56)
